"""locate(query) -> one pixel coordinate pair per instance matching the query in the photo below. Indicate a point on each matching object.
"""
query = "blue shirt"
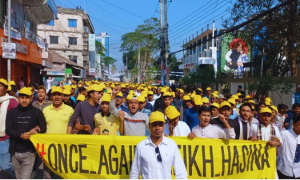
(146, 111)
(233, 115)
(190, 117)
(73, 99)
(149, 107)
(123, 108)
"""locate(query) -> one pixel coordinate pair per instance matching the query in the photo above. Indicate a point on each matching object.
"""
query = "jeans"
(5, 161)
(23, 164)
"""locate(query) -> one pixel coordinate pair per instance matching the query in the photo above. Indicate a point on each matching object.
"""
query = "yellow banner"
(110, 157)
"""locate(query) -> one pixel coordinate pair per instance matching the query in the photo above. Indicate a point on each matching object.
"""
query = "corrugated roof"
(60, 59)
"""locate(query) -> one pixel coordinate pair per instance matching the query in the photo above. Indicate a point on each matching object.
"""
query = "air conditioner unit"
(69, 75)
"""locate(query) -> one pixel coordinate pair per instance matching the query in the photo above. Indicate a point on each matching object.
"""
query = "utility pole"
(262, 62)
(139, 58)
(213, 34)
(166, 44)
(126, 66)
(161, 46)
(9, 37)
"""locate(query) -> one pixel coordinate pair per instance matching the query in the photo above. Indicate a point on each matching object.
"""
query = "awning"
(60, 59)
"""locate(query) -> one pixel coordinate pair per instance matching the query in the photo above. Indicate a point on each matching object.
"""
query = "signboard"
(92, 42)
(9, 50)
(15, 34)
(45, 55)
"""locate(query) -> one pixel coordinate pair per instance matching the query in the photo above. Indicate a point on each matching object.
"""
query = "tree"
(270, 33)
(100, 48)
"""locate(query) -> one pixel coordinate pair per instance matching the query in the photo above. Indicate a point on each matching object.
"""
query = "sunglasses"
(118, 97)
(158, 156)
(160, 124)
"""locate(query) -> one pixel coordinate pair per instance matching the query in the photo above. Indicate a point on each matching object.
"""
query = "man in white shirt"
(157, 95)
(174, 127)
(155, 156)
(288, 159)
(150, 98)
(47, 83)
(206, 130)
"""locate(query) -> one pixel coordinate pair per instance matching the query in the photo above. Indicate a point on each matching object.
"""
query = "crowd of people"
(125, 109)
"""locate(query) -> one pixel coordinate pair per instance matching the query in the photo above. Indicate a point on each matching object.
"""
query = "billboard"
(92, 42)
(235, 52)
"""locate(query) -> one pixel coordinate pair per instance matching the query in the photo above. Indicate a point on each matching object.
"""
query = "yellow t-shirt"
(57, 121)
(109, 124)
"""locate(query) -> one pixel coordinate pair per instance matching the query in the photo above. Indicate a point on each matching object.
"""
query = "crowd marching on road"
(126, 109)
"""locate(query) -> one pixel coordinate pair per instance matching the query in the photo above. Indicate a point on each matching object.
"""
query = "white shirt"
(182, 129)
(151, 102)
(145, 161)
(47, 84)
(279, 121)
(265, 132)
(254, 121)
(156, 96)
(286, 154)
(213, 132)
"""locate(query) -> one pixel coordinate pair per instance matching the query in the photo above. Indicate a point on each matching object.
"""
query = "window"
(74, 59)
(72, 41)
(51, 23)
(53, 39)
(72, 22)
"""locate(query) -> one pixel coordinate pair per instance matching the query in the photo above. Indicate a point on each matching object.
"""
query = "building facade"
(25, 17)
(68, 35)
(103, 37)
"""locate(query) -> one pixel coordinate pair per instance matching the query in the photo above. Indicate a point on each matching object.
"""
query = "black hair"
(296, 118)
(6, 86)
(49, 93)
(81, 89)
(198, 92)
(89, 93)
(14, 88)
(167, 97)
(282, 106)
(203, 109)
(261, 103)
(296, 105)
(246, 104)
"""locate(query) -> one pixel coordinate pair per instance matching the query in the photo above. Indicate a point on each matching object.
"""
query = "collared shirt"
(182, 129)
(156, 97)
(109, 124)
(287, 161)
(213, 132)
(145, 160)
(57, 120)
(190, 117)
(41, 107)
(151, 102)
(279, 121)
(145, 111)
(265, 132)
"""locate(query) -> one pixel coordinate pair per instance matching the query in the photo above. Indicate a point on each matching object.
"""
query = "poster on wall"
(92, 42)
(235, 52)
(9, 50)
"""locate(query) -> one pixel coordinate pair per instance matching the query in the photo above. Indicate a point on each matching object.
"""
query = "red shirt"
(12, 104)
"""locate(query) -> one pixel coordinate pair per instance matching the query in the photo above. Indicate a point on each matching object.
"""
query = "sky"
(118, 17)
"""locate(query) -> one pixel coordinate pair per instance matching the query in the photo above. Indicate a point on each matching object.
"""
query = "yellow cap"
(109, 91)
(56, 89)
(94, 87)
(156, 116)
(120, 94)
(106, 98)
(68, 87)
(205, 100)
(268, 99)
(79, 85)
(163, 90)
(26, 91)
(73, 86)
(173, 94)
(216, 92)
(200, 89)
(12, 83)
(186, 98)
(3, 81)
(268, 103)
(274, 108)
(80, 97)
(197, 100)
(239, 94)
(171, 112)
(251, 101)
(215, 105)
(150, 93)
(224, 103)
(129, 96)
(67, 92)
(141, 99)
(167, 94)
(181, 90)
(265, 110)
(215, 95)
(123, 86)
(232, 101)
(9, 88)
(208, 89)
(248, 97)
(235, 97)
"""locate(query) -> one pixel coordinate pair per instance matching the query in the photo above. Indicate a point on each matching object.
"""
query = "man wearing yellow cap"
(190, 116)
(150, 99)
(67, 99)
(174, 127)
(178, 100)
(155, 156)
(119, 102)
(208, 93)
(186, 104)
(240, 90)
(159, 103)
(142, 105)
(157, 94)
(21, 123)
(42, 102)
(214, 110)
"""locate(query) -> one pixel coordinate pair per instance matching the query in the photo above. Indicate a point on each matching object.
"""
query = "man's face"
(226, 111)
(133, 106)
(157, 129)
(123, 90)
(142, 105)
(296, 127)
(181, 95)
(261, 106)
(96, 96)
(84, 93)
(57, 98)
(66, 98)
(296, 110)
(158, 92)
(174, 122)
(204, 118)
(41, 94)
(214, 111)
(73, 90)
(274, 114)
(265, 118)
(245, 112)
(214, 99)
(3, 90)
(208, 91)
(150, 97)
(167, 101)
(104, 106)
(25, 100)
(118, 100)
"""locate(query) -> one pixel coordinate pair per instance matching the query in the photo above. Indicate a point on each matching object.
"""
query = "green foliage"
(100, 48)
(109, 60)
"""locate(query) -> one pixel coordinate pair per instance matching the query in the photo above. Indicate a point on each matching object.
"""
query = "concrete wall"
(286, 99)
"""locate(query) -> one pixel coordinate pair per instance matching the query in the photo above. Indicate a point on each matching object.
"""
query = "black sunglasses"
(158, 156)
